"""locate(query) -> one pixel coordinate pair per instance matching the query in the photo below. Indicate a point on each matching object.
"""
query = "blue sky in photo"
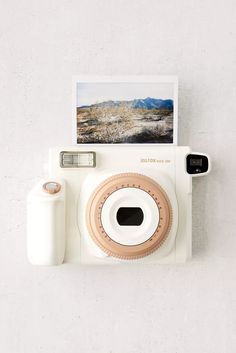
(95, 92)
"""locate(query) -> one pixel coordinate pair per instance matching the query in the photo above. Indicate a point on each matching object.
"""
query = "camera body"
(114, 204)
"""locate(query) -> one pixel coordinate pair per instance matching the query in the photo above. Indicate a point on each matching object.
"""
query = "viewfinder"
(196, 164)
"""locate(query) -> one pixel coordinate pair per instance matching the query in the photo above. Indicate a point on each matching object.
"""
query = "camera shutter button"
(51, 187)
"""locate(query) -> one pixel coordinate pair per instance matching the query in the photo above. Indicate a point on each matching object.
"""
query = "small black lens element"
(196, 164)
(130, 216)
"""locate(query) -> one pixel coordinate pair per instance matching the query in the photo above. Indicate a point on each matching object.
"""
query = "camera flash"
(78, 159)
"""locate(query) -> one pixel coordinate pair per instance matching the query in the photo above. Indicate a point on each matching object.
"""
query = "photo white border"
(173, 79)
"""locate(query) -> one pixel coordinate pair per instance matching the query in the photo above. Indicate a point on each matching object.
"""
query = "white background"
(68, 309)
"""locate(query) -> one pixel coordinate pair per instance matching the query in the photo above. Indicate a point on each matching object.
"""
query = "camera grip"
(46, 223)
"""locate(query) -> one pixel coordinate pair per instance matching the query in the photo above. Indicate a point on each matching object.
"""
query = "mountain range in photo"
(147, 120)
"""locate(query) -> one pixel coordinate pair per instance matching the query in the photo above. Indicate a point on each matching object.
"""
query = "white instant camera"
(107, 204)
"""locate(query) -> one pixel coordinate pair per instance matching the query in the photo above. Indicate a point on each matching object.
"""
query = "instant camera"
(123, 192)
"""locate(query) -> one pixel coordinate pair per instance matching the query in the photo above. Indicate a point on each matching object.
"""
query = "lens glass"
(196, 162)
(129, 216)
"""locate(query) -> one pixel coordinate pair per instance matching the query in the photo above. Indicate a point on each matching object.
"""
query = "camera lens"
(129, 216)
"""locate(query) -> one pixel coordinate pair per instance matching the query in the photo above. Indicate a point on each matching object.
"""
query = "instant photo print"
(123, 110)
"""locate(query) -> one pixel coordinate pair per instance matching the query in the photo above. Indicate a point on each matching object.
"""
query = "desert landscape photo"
(138, 120)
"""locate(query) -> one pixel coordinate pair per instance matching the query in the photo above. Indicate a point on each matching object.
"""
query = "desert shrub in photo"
(119, 122)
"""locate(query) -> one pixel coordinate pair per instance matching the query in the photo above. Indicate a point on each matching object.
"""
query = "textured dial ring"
(94, 212)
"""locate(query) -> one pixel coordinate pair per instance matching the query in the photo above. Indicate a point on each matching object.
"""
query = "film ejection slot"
(77, 159)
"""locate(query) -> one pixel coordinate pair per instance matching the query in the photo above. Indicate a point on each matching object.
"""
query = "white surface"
(180, 309)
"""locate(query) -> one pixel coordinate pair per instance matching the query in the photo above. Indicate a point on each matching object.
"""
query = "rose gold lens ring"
(94, 211)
